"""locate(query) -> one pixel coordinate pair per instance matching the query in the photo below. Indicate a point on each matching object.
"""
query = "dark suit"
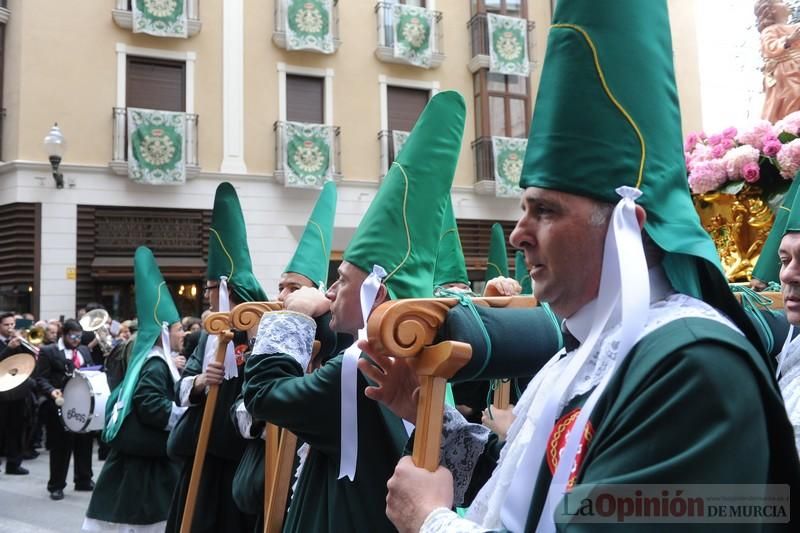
(53, 370)
(15, 411)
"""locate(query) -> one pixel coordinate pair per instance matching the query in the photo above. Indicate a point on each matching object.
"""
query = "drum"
(85, 398)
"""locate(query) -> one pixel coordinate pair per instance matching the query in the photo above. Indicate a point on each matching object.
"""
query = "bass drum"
(85, 397)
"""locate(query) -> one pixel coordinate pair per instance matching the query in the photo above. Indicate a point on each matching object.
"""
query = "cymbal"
(14, 370)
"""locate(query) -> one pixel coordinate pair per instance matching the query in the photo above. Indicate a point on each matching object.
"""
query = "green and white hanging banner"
(398, 140)
(308, 25)
(162, 18)
(413, 34)
(509, 153)
(156, 153)
(309, 154)
(508, 45)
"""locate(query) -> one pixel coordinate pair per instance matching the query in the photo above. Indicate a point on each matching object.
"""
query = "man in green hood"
(230, 281)
(391, 255)
(138, 478)
(655, 342)
(307, 268)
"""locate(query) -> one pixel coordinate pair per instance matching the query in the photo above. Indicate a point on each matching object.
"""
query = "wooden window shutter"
(404, 106)
(305, 99)
(156, 84)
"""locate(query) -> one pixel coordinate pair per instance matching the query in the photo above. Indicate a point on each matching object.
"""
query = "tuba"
(96, 320)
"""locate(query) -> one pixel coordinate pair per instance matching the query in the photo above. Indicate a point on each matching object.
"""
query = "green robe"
(215, 510)
(136, 488)
(248, 482)
(309, 405)
(647, 427)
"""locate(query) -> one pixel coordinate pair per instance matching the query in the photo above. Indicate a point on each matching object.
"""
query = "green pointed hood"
(450, 264)
(313, 252)
(154, 306)
(497, 262)
(228, 254)
(522, 274)
(401, 228)
(768, 265)
(606, 117)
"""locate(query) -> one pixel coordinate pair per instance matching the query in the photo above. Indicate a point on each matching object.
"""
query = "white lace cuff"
(244, 421)
(462, 445)
(185, 391)
(442, 520)
(287, 333)
(174, 416)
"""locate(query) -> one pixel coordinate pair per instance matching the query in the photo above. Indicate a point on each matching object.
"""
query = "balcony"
(478, 28)
(385, 49)
(119, 146)
(389, 147)
(484, 166)
(5, 13)
(279, 31)
(123, 16)
(312, 166)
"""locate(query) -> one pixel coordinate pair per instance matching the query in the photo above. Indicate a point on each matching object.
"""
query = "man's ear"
(381, 296)
(641, 216)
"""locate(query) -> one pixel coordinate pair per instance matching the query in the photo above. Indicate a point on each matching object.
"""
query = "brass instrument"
(31, 339)
(96, 320)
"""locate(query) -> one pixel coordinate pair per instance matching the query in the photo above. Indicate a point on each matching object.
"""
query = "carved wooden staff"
(216, 324)
(406, 328)
(278, 458)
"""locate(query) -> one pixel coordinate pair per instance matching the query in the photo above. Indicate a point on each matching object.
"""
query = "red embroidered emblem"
(558, 440)
(239, 353)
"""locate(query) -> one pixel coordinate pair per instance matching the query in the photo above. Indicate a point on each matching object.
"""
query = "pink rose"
(718, 151)
(729, 133)
(691, 141)
(714, 140)
(772, 147)
(751, 172)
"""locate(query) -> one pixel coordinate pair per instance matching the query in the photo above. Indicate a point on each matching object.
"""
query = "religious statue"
(780, 48)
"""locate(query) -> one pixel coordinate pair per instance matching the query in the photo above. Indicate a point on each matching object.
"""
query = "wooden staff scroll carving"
(407, 328)
(215, 324)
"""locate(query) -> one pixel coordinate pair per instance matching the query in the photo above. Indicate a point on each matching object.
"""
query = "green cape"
(228, 254)
(450, 264)
(313, 252)
(522, 274)
(401, 228)
(768, 265)
(154, 306)
(497, 262)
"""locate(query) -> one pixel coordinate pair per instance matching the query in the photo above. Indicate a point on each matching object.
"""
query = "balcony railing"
(5, 14)
(123, 15)
(385, 49)
(119, 145)
(282, 139)
(478, 28)
(279, 31)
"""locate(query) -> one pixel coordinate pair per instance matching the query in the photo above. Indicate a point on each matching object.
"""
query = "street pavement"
(25, 504)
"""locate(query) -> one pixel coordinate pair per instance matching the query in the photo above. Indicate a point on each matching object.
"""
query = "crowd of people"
(29, 415)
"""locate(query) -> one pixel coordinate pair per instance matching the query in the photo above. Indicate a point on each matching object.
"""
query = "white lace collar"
(580, 323)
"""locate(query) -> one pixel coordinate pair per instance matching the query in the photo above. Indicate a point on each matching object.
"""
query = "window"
(156, 84)
(502, 105)
(511, 8)
(403, 106)
(305, 99)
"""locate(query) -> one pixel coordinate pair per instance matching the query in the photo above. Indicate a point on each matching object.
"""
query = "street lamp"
(54, 145)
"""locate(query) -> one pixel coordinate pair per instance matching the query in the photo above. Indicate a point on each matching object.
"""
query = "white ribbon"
(623, 260)
(784, 351)
(165, 345)
(231, 371)
(349, 412)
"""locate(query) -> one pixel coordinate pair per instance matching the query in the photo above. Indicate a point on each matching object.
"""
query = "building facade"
(238, 90)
